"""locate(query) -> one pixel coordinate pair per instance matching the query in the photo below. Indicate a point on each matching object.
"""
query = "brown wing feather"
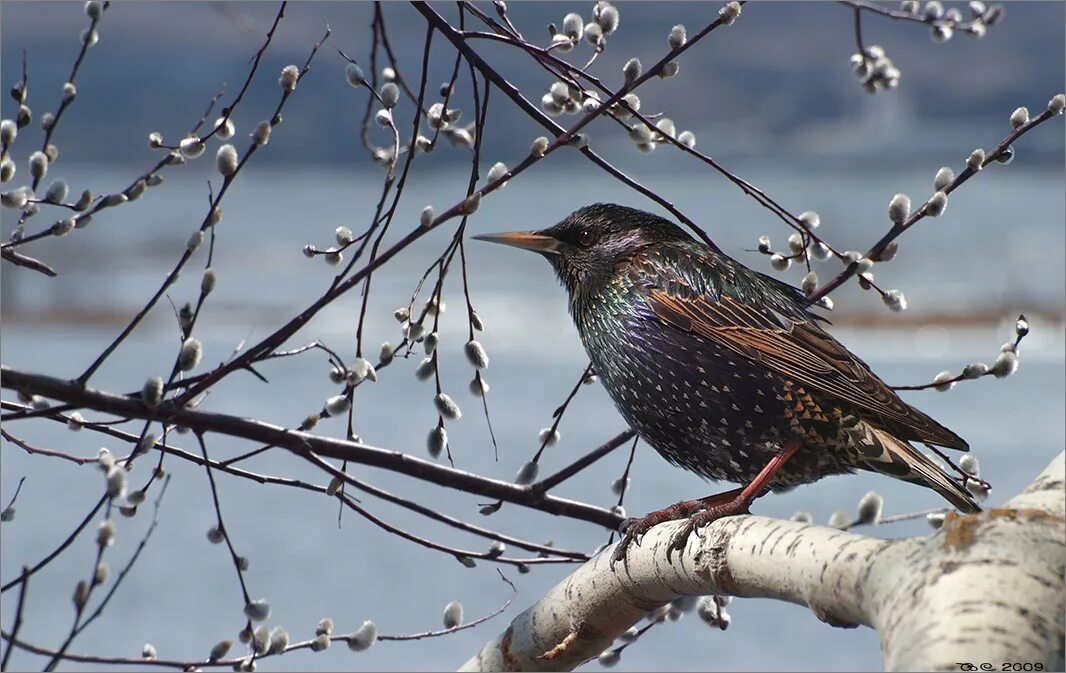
(800, 350)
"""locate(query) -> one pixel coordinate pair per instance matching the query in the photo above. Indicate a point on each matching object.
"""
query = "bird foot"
(635, 529)
(701, 519)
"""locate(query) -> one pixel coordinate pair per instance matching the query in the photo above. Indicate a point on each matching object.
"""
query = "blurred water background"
(772, 98)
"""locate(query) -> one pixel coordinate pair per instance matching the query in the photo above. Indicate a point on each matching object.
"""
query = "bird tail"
(884, 453)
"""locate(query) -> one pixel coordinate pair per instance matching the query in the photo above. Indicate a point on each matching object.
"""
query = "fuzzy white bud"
(437, 441)
(56, 192)
(453, 611)
(261, 639)
(364, 637)
(941, 32)
(548, 437)
(976, 159)
(944, 381)
(527, 473)
(677, 37)
(476, 354)
(839, 519)
(136, 190)
(1021, 326)
(257, 611)
(977, 489)
(498, 170)
(607, 18)
(337, 405)
(63, 227)
(102, 573)
(1019, 118)
(944, 177)
(261, 134)
(810, 218)
(425, 369)
(573, 26)
(608, 658)
(191, 147)
(220, 650)
(224, 128)
(447, 407)
(38, 165)
(687, 138)
(152, 393)
(870, 507)
(279, 640)
(343, 235)
(1057, 103)
(470, 205)
(895, 300)
(594, 34)
(81, 594)
(226, 160)
(116, 482)
(478, 386)
(562, 43)
(290, 74)
(354, 74)
(899, 209)
(8, 131)
(333, 257)
(936, 205)
(974, 370)
(390, 95)
(145, 444)
(632, 70)
(191, 352)
(105, 534)
(779, 262)
(539, 147)
(729, 13)
(1005, 365)
(669, 69)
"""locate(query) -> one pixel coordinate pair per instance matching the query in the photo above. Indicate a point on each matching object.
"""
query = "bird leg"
(732, 503)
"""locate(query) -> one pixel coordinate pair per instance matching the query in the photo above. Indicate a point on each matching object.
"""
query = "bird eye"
(586, 237)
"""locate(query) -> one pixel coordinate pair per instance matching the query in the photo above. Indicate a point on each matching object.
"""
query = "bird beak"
(527, 240)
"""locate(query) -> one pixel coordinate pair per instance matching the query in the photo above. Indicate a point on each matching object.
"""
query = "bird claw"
(697, 521)
(634, 530)
(698, 514)
(680, 538)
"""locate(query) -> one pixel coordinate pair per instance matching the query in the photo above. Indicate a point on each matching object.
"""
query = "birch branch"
(986, 587)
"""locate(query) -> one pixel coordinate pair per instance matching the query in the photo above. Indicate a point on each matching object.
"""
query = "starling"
(723, 370)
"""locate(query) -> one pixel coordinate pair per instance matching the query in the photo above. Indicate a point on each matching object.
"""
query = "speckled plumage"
(719, 367)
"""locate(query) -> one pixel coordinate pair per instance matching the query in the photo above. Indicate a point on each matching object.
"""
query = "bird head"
(589, 244)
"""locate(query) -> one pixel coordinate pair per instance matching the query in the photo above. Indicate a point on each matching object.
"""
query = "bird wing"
(797, 349)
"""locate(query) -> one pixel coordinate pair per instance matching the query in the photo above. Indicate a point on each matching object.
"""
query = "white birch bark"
(986, 588)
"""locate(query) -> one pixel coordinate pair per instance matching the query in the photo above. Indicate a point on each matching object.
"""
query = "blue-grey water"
(996, 252)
